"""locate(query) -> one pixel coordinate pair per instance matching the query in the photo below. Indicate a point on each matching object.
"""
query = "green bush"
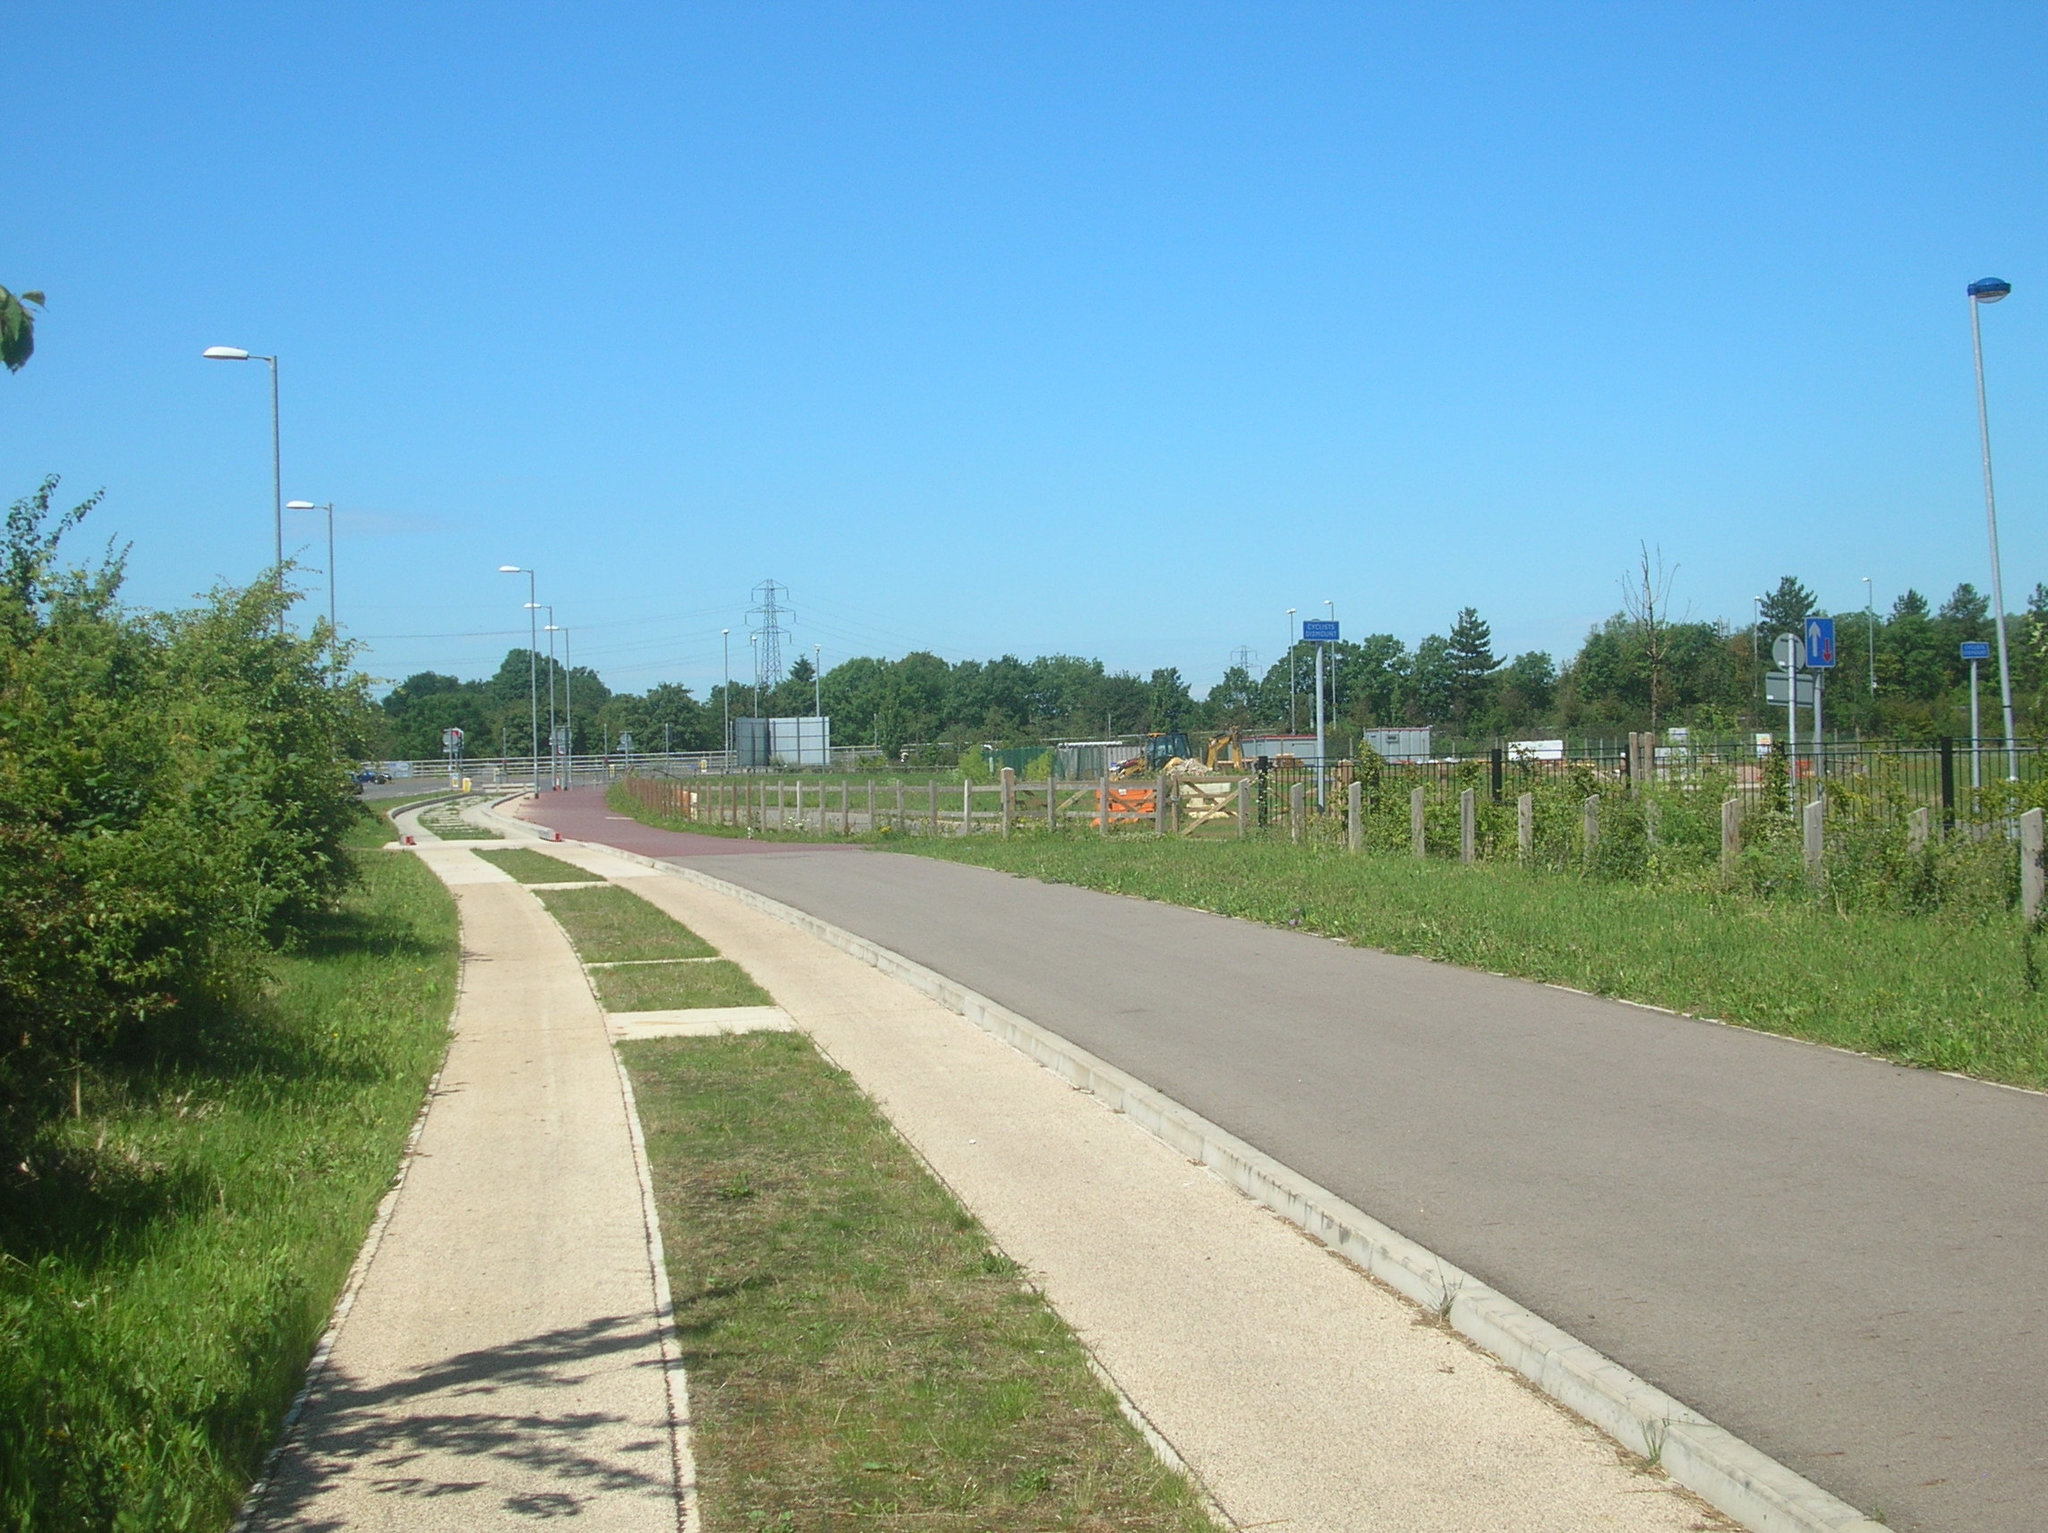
(173, 797)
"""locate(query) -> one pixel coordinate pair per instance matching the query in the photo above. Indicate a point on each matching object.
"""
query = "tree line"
(1899, 676)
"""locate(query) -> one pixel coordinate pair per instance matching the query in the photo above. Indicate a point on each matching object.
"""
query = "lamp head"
(300, 505)
(1989, 289)
(225, 354)
(510, 569)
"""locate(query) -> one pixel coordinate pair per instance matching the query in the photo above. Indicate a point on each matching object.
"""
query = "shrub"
(173, 794)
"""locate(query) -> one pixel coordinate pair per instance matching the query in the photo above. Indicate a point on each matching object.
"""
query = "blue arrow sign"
(1317, 630)
(1820, 643)
(1974, 649)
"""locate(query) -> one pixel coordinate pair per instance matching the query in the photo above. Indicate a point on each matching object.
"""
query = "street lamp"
(333, 628)
(1293, 671)
(1870, 632)
(532, 665)
(568, 694)
(554, 744)
(725, 695)
(237, 354)
(1989, 290)
(818, 682)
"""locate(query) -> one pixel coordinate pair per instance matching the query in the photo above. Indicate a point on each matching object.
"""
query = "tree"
(1168, 701)
(1785, 609)
(1646, 597)
(1470, 649)
(18, 327)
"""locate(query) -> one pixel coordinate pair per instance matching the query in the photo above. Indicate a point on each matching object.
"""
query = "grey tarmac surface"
(1842, 1261)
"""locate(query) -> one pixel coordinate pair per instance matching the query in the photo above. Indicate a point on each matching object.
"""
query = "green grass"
(676, 986)
(613, 925)
(859, 1356)
(1948, 991)
(531, 867)
(171, 1255)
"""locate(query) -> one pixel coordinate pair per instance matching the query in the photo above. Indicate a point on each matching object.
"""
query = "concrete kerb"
(1708, 1460)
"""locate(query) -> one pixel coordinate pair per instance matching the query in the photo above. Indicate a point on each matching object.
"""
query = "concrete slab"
(702, 1022)
(504, 1357)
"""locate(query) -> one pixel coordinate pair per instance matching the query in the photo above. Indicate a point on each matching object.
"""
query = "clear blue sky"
(1114, 330)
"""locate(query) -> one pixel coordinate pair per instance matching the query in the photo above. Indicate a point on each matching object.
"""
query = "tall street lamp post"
(1291, 671)
(333, 627)
(1990, 290)
(532, 665)
(568, 696)
(1870, 633)
(554, 741)
(725, 694)
(237, 354)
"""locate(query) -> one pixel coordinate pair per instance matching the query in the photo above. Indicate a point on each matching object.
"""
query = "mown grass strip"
(613, 925)
(858, 1354)
(171, 1256)
(1948, 992)
(676, 987)
(531, 867)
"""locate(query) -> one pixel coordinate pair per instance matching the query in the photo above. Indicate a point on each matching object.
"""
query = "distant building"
(1398, 744)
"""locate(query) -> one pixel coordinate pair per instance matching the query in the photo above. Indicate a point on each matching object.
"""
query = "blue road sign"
(1318, 630)
(1975, 650)
(1820, 643)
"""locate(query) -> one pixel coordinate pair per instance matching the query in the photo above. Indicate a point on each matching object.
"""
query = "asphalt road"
(1842, 1261)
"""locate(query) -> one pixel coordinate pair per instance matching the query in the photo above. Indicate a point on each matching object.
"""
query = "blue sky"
(1032, 328)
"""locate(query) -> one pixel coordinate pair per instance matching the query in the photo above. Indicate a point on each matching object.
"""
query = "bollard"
(1468, 827)
(2032, 872)
(899, 806)
(800, 807)
(1159, 806)
(871, 806)
(1919, 824)
(1244, 807)
(1591, 811)
(1417, 836)
(1354, 815)
(1102, 802)
(966, 806)
(1813, 818)
(1731, 836)
(1009, 799)
(1525, 825)
(1052, 801)
(932, 790)
(1297, 810)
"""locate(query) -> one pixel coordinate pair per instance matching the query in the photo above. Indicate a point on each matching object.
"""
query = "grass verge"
(531, 867)
(613, 925)
(171, 1255)
(1947, 992)
(677, 986)
(858, 1354)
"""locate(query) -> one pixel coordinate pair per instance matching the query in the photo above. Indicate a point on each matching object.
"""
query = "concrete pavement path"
(1842, 1261)
(503, 1359)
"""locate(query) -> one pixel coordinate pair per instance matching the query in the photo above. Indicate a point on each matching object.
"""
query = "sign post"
(1786, 651)
(1820, 659)
(1974, 651)
(1319, 632)
(451, 747)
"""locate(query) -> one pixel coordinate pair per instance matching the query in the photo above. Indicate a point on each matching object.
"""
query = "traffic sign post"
(451, 747)
(1319, 632)
(1820, 659)
(1787, 651)
(1974, 651)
